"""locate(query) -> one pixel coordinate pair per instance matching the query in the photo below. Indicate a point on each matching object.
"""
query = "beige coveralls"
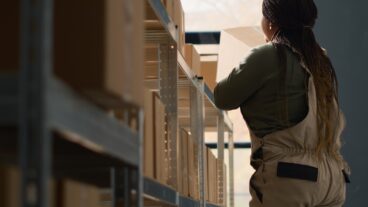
(287, 173)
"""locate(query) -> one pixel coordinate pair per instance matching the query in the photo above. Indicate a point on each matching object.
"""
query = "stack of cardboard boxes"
(97, 46)
(9, 186)
(205, 66)
(212, 181)
(98, 49)
(188, 174)
(63, 193)
(156, 164)
(216, 185)
(201, 66)
(175, 11)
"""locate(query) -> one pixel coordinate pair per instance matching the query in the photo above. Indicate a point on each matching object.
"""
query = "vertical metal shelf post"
(141, 161)
(220, 154)
(168, 76)
(231, 169)
(34, 134)
(197, 131)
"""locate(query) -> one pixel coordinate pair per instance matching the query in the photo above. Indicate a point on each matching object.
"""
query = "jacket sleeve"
(243, 81)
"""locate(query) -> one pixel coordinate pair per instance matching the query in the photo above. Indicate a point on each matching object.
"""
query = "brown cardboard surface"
(9, 36)
(192, 58)
(98, 49)
(10, 187)
(179, 19)
(73, 193)
(235, 44)
(149, 13)
(151, 62)
(155, 138)
(208, 71)
(212, 176)
(134, 73)
(188, 54)
(151, 54)
(175, 10)
(151, 71)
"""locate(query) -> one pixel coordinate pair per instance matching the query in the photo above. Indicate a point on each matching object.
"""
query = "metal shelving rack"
(198, 116)
(43, 121)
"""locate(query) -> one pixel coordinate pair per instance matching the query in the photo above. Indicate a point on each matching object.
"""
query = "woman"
(287, 93)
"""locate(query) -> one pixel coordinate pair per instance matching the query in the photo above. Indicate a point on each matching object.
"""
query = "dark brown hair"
(295, 20)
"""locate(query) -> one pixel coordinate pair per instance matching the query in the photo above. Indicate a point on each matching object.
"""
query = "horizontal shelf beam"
(164, 18)
(203, 37)
(160, 192)
(164, 194)
(188, 202)
(89, 125)
(237, 145)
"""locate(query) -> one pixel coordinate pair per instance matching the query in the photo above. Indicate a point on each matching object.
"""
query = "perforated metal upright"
(168, 77)
(220, 156)
(197, 130)
(231, 169)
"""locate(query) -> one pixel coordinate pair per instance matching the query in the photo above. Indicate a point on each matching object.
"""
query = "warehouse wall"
(342, 29)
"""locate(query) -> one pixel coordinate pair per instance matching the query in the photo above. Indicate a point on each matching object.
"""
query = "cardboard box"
(73, 193)
(151, 21)
(151, 71)
(155, 138)
(10, 183)
(209, 70)
(175, 11)
(9, 186)
(212, 176)
(236, 44)
(183, 172)
(192, 58)
(178, 16)
(151, 61)
(10, 35)
(205, 66)
(98, 47)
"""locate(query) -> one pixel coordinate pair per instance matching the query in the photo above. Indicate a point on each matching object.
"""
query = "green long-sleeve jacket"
(254, 86)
